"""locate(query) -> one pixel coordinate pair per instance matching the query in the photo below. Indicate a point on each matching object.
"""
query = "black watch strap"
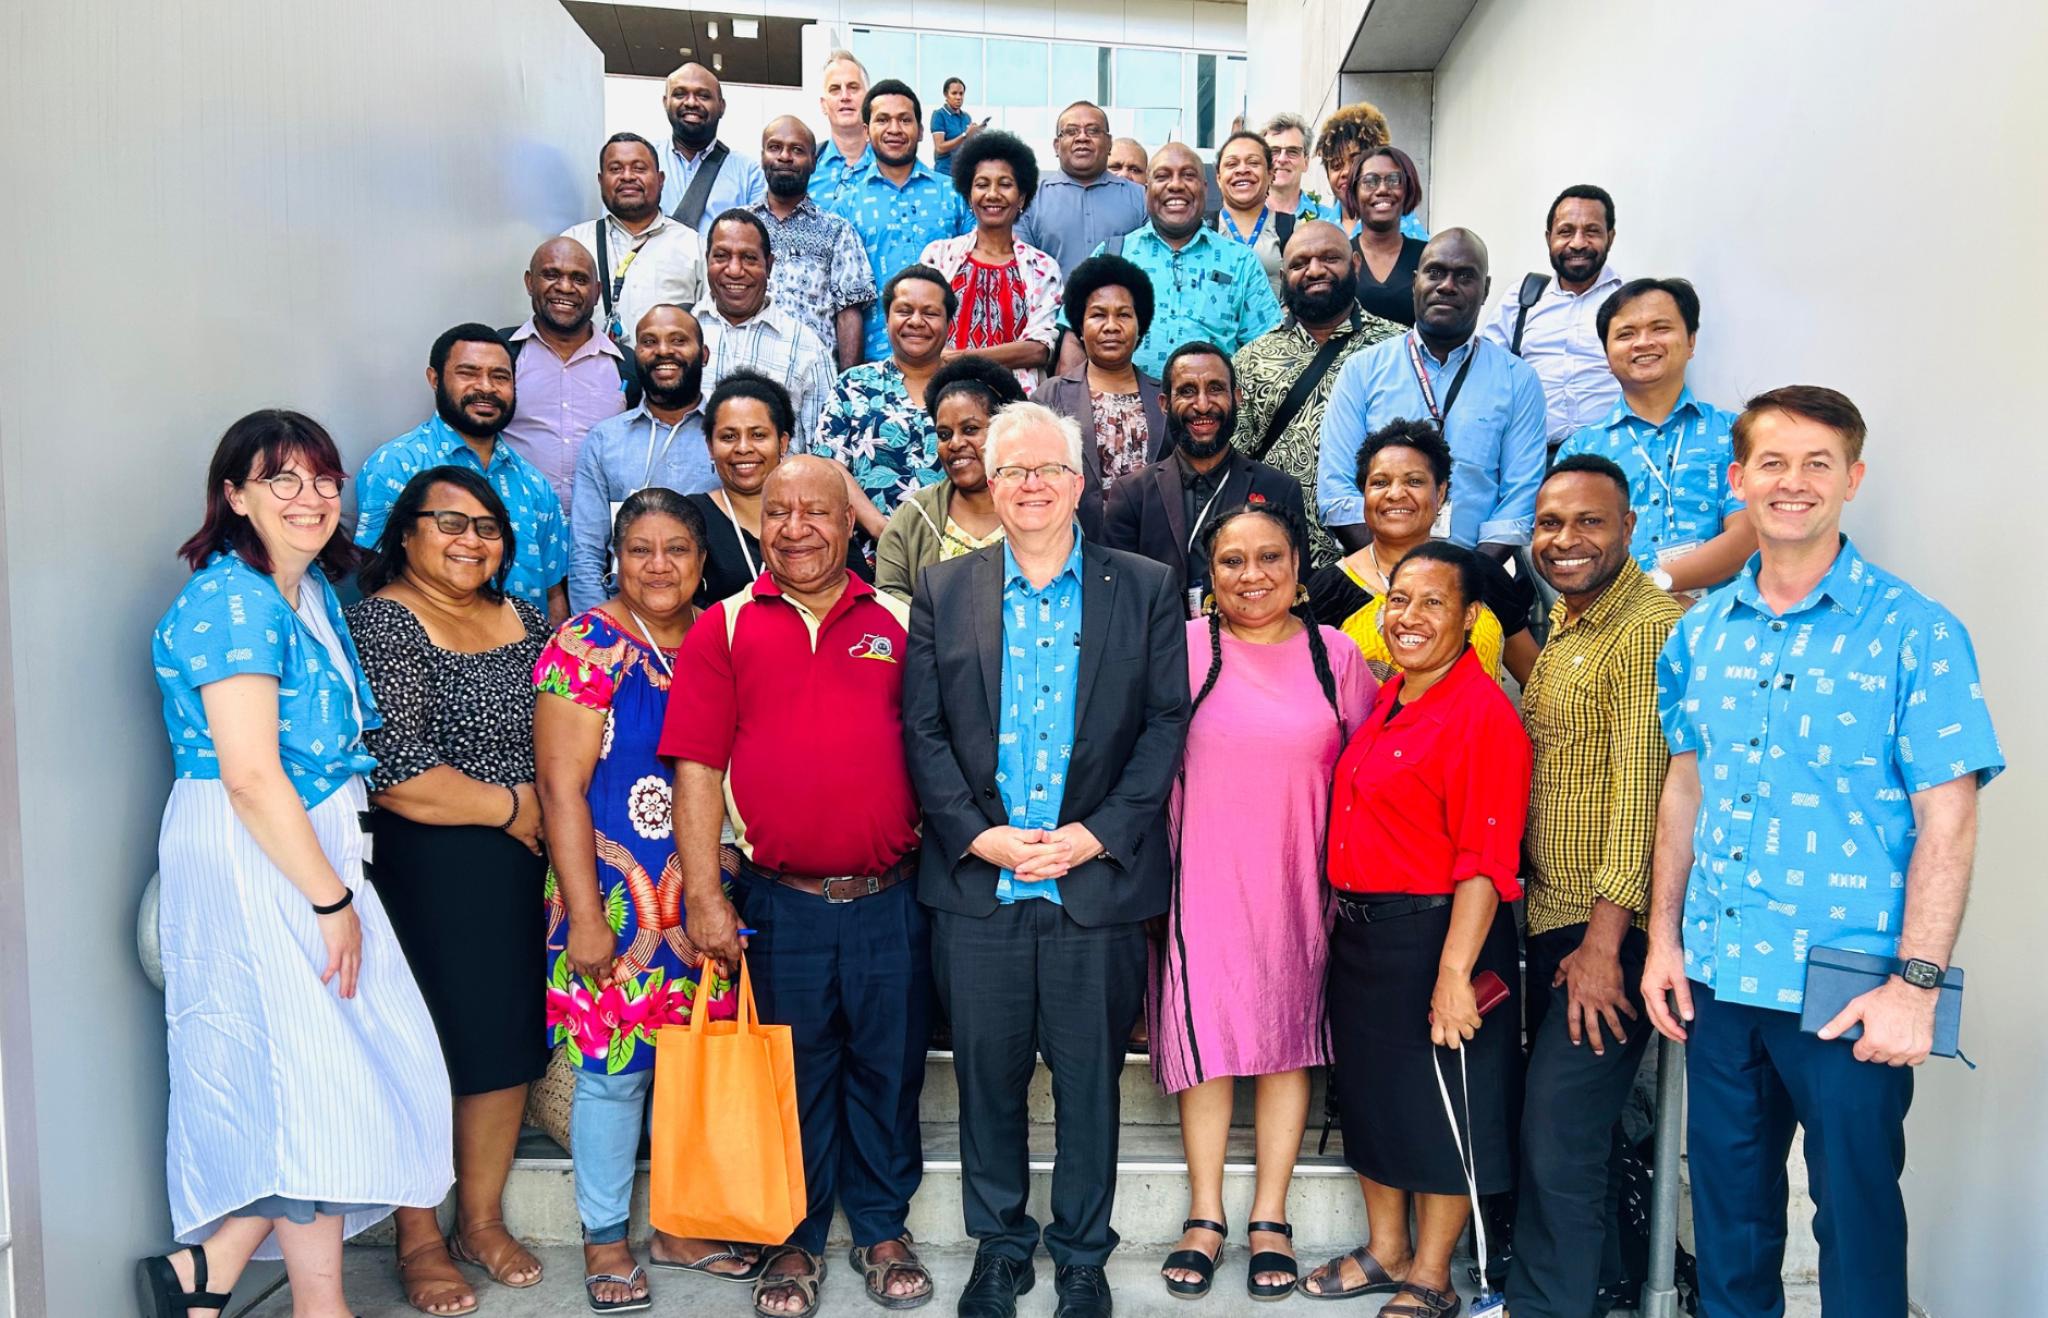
(1921, 974)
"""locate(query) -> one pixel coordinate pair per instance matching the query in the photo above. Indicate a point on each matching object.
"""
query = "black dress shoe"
(994, 1285)
(1083, 1292)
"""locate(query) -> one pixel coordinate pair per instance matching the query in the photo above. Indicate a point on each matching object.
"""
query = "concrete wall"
(1855, 193)
(211, 208)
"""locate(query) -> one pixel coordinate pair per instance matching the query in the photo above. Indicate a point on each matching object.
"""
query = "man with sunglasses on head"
(470, 371)
(1082, 204)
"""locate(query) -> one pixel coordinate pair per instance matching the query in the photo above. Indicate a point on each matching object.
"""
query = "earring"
(1300, 594)
(1208, 603)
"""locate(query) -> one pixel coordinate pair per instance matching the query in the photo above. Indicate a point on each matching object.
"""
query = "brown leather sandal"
(805, 1284)
(421, 1276)
(879, 1272)
(1377, 1281)
(1415, 1300)
(503, 1262)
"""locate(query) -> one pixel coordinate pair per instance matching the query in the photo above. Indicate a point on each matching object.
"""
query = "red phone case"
(1490, 991)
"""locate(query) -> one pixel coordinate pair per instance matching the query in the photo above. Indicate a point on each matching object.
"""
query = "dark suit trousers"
(852, 980)
(1571, 1133)
(1024, 981)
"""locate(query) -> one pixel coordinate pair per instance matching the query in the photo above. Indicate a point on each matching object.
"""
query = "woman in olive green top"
(956, 516)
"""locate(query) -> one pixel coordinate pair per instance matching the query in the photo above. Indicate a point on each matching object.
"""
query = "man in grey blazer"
(1045, 703)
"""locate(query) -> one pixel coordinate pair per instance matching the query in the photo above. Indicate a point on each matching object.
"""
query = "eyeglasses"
(1091, 131)
(1393, 178)
(449, 522)
(1049, 471)
(1289, 153)
(287, 484)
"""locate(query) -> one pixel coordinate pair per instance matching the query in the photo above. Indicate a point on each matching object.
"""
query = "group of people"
(970, 598)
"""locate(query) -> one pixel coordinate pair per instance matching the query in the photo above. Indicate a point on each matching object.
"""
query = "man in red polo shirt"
(785, 716)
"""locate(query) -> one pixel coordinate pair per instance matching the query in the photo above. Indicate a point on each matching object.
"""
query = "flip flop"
(702, 1267)
(637, 1277)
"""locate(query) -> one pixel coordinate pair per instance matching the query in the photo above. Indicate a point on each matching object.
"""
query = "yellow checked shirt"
(1591, 709)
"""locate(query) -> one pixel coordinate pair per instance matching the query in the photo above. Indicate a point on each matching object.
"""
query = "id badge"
(1194, 601)
(1671, 553)
(1489, 1305)
(1440, 529)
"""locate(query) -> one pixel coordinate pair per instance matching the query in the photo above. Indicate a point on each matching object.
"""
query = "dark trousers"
(1565, 1238)
(853, 982)
(1753, 1076)
(1025, 981)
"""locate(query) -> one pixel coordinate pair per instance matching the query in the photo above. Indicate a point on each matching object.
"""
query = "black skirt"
(1395, 1129)
(466, 904)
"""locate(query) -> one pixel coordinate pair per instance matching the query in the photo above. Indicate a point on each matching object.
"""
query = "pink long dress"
(1237, 984)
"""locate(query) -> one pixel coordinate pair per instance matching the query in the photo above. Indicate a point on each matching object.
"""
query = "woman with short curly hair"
(1345, 138)
(1009, 290)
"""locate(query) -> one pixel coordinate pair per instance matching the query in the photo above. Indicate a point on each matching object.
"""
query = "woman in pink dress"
(1237, 982)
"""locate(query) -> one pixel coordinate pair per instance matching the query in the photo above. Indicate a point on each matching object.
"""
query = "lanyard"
(647, 477)
(1467, 1154)
(1635, 439)
(1257, 229)
(1203, 515)
(647, 634)
(1428, 391)
(724, 502)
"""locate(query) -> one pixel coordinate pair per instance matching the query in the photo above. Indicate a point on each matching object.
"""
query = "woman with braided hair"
(1237, 983)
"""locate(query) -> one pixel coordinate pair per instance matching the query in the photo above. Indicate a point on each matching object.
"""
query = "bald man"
(569, 376)
(786, 711)
(820, 274)
(1128, 158)
(1488, 402)
(695, 104)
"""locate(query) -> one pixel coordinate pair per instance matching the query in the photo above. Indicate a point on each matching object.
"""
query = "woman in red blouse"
(1424, 845)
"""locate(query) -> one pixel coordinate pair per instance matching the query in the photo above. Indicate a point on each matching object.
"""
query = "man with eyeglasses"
(1552, 324)
(470, 371)
(1045, 701)
(1081, 205)
(1290, 138)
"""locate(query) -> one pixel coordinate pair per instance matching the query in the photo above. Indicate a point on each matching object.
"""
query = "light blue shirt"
(1677, 473)
(739, 183)
(895, 224)
(1494, 428)
(1041, 681)
(541, 555)
(1561, 339)
(1211, 289)
(833, 170)
(622, 455)
(1069, 219)
(230, 619)
(1813, 728)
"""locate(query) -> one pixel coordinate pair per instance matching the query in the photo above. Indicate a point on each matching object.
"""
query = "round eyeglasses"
(287, 484)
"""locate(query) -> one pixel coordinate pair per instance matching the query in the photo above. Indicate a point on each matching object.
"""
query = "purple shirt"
(559, 401)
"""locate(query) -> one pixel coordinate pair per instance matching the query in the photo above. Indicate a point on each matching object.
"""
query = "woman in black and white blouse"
(456, 833)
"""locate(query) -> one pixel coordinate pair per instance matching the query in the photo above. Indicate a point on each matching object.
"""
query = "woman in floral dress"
(619, 963)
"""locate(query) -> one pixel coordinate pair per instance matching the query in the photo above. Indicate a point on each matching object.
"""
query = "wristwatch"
(1921, 974)
(1662, 579)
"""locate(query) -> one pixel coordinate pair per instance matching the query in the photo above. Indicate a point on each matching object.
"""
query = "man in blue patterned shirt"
(1828, 738)
(470, 372)
(897, 205)
(821, 273)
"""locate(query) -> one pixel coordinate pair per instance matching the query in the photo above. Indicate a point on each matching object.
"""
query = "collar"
(918, 170)
(445, 442)
(1622, 594)
(598, 342)
(1844, 585)
(672, 149)
(642, 412)
(1429, 358)
(1463, 674)
(1216, 475)
(805, 209)
(1353, 321)
(766, 587)
(1686, 403)
(1104, 179)
(769, 316)
(1610, 278)
(832, 151)
(662, 222)
(1013, 574)
(1204, 236)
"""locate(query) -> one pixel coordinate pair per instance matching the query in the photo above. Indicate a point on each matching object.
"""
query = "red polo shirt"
(1435, 795)
(805, 717)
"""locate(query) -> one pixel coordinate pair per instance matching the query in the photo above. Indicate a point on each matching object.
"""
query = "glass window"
(887, 53)
(1148, 79)
(1205, 101)
(1077, 75)
(943, 57)
(1019, 72)
(1155, 128)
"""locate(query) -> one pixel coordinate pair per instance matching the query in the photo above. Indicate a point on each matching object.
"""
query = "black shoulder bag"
(690, 209)
(1304, 385)
(1530, 293)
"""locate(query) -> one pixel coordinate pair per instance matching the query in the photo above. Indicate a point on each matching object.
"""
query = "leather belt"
(840, 889)
(1362, 912)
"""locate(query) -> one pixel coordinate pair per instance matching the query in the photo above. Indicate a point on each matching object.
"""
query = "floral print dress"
(884, 437)
(599, 663)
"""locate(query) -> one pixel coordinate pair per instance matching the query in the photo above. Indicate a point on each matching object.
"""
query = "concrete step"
(1143, 1103)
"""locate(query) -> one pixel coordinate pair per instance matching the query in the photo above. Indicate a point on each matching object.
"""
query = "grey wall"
(1407, 101)
(208, 208)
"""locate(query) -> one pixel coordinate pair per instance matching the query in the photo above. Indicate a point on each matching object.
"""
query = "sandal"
(878, 1273)
(163, 1295)
(417, 1283)
(733, 1253)
(1376, 1282)
(1271, 1260)
(1195, 1261)
(637, 1277)
(502, 1268)
(805, 1284)
(1428, 1303)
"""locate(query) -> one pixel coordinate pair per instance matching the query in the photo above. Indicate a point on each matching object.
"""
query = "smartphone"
(1489, 989)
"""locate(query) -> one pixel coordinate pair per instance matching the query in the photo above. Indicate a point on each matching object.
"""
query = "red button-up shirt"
(1435, 795)
(805, 717)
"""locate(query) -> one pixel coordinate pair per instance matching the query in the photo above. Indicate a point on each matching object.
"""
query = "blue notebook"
(1834, 975)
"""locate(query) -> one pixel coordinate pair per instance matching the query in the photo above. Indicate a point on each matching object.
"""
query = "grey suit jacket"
(1068, 395)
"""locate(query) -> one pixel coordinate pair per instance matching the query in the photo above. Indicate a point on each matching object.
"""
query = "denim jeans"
(604, 1144)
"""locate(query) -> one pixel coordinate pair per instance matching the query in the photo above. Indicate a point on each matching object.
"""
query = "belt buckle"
(874, 885)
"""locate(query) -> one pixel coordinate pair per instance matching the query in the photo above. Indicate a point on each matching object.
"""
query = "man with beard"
(569, 376)
(898, 205)
(820, 272)
(1160, 509)
(1559, 337)
(1082, 205)
(1590, 705)
(701, 177)
(1207, 287)
(846, 150)
(1286, 375)
(643, 256)
(746, 330)
(660, 442)
(1487, 402)
(470, 371)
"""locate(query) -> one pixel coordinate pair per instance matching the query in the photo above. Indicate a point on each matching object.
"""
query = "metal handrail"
(1660, 1292)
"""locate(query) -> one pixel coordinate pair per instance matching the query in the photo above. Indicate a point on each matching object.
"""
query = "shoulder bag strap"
(603, 238)
(1527, 296)
(1304, 385)
(691, 208)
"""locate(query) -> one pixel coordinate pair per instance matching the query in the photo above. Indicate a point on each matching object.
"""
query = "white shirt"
(664, 263)
(1562, 342)
(775, 344)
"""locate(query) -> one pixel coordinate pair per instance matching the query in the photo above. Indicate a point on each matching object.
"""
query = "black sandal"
(1195, 1261)
(163, 1296)
(1271, 1260)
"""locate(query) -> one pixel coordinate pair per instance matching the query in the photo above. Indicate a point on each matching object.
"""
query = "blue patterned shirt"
(541, 559)
(1813, 728)
(834, 169)
(739, 183)
(1211, 289)
(884, 438)
(1041, 681)
(230, 619)
(820, 268)
(895, 225)
(1677, 473)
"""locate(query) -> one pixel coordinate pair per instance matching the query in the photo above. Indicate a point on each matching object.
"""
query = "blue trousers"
(605, 1120)
(1753, 1076)
(853, 982)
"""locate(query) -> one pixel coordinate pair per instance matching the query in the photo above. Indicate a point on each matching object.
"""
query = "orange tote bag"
(727, 1152)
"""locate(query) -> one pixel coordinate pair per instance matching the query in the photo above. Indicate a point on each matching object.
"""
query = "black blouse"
(1394, 299)
(1333, 596)
(733, 558)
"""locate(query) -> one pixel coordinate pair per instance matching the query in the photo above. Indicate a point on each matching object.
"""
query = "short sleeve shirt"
(886, 439)
(1677, 473)
(1212, 288)
(820, 267)
(895, 225)
(1813, 728)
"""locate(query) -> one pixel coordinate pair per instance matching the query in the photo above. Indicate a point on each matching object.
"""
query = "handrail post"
(1660, 1293)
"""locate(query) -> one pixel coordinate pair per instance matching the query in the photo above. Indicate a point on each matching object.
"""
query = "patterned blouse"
(955, 541)
(1122, 437)
(884, 438)
(1001, 304)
